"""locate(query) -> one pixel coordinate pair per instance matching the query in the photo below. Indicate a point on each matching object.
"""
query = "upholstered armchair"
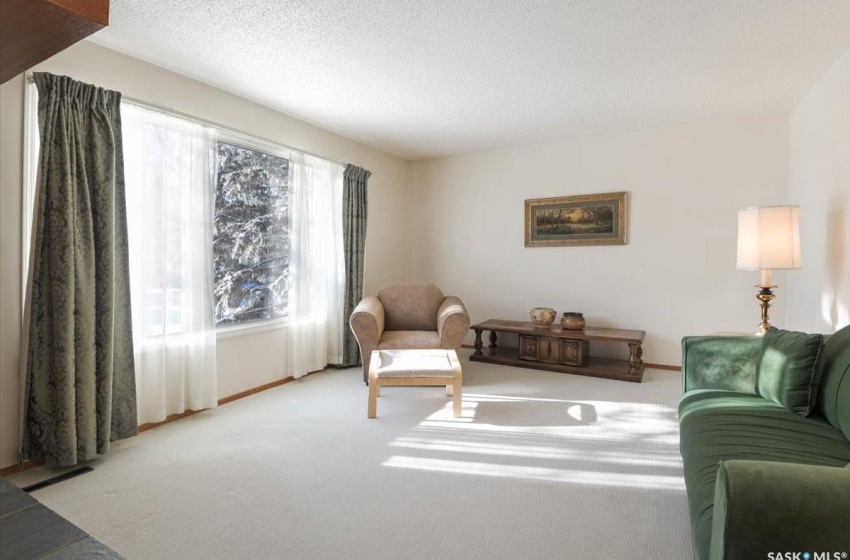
(408, 316)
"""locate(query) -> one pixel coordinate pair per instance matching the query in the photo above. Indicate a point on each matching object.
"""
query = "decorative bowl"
(572, 321)
(543, 317)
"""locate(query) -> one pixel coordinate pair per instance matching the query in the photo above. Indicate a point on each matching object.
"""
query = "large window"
(251, 234)
(228, 234)
(210, 218)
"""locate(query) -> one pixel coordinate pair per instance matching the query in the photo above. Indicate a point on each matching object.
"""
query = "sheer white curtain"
(169, 182)
(317, 267)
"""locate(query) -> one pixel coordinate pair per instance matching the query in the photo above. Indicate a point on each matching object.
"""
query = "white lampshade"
(769, 238)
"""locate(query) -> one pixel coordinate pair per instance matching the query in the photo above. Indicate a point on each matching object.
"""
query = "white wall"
(11, 157)
(675, 277)
(819, 294)
(246, 361)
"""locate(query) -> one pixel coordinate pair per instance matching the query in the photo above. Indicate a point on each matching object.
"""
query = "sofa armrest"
(452, 322)
(367, 324)
(762, 507)
(720, 362)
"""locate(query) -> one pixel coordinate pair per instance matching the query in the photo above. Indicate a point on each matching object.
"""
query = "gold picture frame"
(587, 219)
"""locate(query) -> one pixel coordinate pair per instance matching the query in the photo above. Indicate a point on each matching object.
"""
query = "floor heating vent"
(57, 479)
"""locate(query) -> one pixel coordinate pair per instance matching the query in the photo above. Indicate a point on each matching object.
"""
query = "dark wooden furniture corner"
(34, 30)
(557, 349)
(30, 530)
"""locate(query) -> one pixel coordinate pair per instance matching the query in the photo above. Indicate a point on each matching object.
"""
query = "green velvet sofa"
(762, 480)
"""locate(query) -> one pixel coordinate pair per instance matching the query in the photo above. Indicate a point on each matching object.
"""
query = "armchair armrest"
(452, 322)
(762, 507)
(720, 362)
(367, 324)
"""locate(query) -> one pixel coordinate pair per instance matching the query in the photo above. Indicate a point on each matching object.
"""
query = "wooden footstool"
(389, 368)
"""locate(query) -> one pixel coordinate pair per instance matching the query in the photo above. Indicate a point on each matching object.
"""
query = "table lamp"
(768, 239)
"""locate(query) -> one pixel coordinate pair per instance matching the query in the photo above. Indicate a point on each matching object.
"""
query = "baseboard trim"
(14, 469)
(663, 366)
(168, 419)
(259, 389)
(222, 401)
(648, 365)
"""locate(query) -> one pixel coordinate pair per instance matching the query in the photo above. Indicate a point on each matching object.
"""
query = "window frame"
(257, 144)
(32, 147)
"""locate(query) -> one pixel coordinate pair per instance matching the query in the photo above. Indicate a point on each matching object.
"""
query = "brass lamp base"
(765, 296)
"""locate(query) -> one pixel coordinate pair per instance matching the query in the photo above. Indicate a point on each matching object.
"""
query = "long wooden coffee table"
(557, 349)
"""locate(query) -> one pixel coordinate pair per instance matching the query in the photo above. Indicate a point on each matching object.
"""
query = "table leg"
(457, 395)
(493, 338)
(635, 353)
(372, 411)
(478, 343)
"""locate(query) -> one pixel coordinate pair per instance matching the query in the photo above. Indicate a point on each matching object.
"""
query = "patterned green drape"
(354, 239)
(80, 390)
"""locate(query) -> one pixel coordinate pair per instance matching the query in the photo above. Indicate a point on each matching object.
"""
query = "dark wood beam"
(32, 31)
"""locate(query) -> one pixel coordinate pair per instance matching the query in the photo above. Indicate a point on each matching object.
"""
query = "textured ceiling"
(429, 78)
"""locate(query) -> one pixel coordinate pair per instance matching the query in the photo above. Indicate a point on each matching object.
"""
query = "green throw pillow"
(790, 369)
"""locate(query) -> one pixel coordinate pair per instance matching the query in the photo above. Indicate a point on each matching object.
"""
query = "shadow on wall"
(834, 309)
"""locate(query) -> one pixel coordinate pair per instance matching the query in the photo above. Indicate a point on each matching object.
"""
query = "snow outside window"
(250, 235)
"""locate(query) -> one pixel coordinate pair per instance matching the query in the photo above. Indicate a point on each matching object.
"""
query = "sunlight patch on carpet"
(584, 478)
(588, 443)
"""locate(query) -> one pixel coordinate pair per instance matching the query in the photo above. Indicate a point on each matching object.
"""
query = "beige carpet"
(542, 465)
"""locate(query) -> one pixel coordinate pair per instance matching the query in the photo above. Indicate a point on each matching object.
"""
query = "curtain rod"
(173, 112)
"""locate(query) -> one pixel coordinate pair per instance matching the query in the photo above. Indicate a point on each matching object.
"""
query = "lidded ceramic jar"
(543, 317)
(572, 321)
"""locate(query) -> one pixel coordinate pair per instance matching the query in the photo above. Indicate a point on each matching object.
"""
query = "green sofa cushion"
(762, 507)
(834, 394)
(722, 425)
(790, 369)
(720, 362)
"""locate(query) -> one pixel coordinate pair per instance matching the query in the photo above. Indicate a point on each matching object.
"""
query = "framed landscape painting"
(588, 219)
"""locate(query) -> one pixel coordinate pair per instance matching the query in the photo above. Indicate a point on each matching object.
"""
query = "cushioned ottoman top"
(416, 363)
